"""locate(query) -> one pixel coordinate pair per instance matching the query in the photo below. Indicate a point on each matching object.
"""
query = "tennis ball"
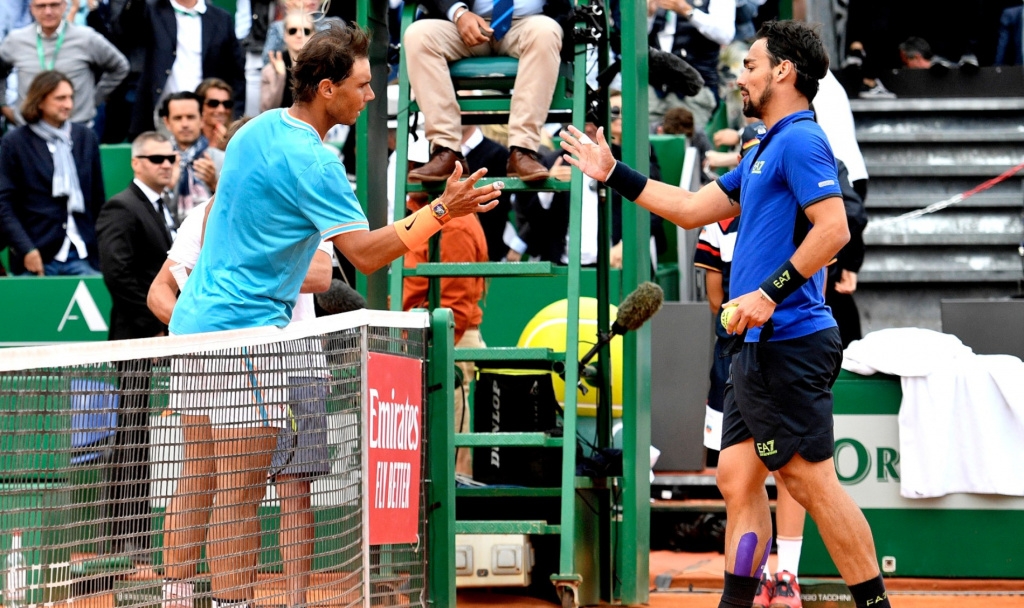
(727, 314)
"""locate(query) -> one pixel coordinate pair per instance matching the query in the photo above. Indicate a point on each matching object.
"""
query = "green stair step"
(512, 184)
(506, 527)
(487, 492)
(508, 353)
(540, 440)
(485, 269)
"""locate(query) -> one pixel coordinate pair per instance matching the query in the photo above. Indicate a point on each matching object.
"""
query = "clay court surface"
(697, 581)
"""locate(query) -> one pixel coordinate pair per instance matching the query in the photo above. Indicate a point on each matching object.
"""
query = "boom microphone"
(670, 73)
(339, 298)
(635, 310)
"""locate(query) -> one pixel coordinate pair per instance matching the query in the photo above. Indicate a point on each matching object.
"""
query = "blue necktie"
(501, 17)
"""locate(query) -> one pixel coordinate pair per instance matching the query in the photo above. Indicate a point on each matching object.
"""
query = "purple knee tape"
(764, 558)
(745, 554)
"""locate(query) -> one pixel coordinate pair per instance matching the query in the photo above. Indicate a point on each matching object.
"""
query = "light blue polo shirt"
(792, 168)
(280, 194)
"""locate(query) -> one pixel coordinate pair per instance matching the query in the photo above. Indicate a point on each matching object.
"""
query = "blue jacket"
(1009, 48)
(30, 217)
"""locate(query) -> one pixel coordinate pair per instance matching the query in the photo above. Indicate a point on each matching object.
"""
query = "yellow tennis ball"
(727, 314)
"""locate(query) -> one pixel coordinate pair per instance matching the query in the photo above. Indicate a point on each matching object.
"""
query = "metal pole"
(372, 141)
(634, 533)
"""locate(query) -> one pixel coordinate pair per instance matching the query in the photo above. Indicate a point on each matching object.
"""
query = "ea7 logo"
(757, 167)
(878, 600)
(767, 448)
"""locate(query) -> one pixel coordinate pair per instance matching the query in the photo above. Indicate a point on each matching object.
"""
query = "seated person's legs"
(431, 44)
(537, 42)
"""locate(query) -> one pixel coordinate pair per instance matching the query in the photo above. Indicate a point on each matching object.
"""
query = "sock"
(789, 553)
(870, 593)
(738, 591)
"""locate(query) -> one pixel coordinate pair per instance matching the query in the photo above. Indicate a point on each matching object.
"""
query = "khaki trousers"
(464, 456)
(431, 44)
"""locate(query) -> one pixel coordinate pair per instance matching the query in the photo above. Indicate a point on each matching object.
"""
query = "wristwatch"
(440, 212)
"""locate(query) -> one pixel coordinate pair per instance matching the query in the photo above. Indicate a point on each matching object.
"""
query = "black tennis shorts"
(780, 394)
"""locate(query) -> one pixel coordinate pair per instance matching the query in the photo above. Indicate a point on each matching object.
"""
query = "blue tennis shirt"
(792, 168)
(281, 193)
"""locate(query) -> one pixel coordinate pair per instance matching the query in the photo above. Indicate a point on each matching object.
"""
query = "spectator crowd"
(187, 69)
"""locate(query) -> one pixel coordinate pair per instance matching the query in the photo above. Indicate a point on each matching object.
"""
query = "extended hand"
(219, 134)
(277, 60)
(726, 137)
(474, 29)
(206, 171)
(462, 197)
(34, 262)
(592, 158)
(752, 310)
(847, 282)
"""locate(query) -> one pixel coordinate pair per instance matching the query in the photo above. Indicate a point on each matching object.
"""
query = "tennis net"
(239, 467)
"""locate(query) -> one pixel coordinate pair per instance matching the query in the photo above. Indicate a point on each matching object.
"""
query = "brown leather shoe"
(525, 164)
(442, 163)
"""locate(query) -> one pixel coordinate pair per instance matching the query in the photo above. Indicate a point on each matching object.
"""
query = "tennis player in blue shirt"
(778, 406)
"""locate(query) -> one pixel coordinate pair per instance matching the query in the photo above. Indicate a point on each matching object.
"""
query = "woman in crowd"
(275, 86)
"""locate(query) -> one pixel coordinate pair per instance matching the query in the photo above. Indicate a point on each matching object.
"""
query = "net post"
(364, 447)
(441, 460)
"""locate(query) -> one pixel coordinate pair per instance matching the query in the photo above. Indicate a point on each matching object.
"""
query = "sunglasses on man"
(295, 30)
(216, 103)
(159, 159)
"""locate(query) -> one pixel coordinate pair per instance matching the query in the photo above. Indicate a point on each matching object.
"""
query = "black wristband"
(782, 283)
(626, 181)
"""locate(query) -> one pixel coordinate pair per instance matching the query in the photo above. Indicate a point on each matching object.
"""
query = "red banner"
(395, 431)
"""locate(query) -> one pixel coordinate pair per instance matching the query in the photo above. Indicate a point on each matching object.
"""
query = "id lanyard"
(56, 48)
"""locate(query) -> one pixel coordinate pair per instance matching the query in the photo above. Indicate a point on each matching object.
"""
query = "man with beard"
(778, 404)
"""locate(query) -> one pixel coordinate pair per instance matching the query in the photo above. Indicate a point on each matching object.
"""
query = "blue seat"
(93, 418)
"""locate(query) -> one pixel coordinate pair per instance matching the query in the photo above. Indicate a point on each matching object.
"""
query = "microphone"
(635, 310)
(339, 298)
(670, 73)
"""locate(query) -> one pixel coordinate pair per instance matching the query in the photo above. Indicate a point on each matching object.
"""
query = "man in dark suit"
(51, 185)
(134, 231)
(208, 48)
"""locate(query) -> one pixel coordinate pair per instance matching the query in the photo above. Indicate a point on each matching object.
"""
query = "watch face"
(438, 209)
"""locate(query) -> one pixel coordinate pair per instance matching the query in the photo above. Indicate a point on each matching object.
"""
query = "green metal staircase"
(568, 105)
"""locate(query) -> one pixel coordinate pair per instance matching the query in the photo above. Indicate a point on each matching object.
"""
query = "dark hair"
(233, 129)
(329, 54)
(914, 46)
(800, 44)
(165, 105)
(678, 121)
(213, 83)
(38, 90)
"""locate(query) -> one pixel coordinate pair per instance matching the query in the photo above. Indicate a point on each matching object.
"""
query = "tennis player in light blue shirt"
(266, 224)
(282, 193)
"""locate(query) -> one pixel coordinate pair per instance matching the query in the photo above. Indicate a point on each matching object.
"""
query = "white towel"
(961, 419)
